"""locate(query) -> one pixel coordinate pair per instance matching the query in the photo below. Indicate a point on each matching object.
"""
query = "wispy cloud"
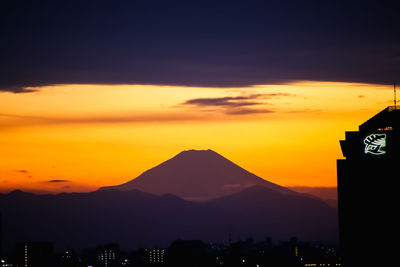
(18, 89)
(228, 105)
(234, 101)
(235, 105)
(14, 120)
(238, 101)
(57, 181)
(246, 111)
(21, 171)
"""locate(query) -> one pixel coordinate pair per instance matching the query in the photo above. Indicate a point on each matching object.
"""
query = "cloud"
(57, 181)
(21, 171)
(234, 101)
(235, 105)
(26, 120)
(222, 101)
(17, 89)
(212, 44)
(229, 105)
(272, 95)
(246, 111)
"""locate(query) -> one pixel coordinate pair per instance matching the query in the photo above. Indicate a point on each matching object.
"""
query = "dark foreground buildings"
(368, 191)
(35, 254)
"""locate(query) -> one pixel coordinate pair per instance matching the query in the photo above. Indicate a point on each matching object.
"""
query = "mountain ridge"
(139, 219)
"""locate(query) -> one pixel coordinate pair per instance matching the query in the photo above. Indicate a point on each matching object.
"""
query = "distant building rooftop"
(386, 120)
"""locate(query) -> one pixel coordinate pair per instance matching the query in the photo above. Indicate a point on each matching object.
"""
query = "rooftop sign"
(375, 144)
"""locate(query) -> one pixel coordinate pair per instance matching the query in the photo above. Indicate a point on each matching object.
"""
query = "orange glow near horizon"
(74, 138)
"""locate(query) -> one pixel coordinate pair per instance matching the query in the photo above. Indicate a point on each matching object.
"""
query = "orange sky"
(80, 137)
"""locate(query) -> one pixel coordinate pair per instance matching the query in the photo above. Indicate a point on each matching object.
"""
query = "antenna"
(395, 101)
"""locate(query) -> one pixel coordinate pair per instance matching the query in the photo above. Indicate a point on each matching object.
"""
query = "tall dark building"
(367, 190)
(1, 235)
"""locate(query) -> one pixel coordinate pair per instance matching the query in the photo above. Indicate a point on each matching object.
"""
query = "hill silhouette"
(161, 205)
(197, 175)
(138, 219)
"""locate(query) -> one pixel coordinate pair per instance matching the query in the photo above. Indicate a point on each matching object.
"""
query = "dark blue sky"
(197, 43)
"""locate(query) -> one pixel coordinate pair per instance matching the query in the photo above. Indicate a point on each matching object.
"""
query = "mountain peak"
(194, 154)
(197, 175)
(197, 152)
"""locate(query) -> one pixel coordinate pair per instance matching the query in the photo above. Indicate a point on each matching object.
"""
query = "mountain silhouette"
(197, 175)
(139, 219)
(162, 205)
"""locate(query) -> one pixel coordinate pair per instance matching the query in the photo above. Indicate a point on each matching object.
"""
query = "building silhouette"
(367, 196)
(156, 255)
(1, 235)
(69, 258)
(108, 255)
(35, 254)
(189, 253)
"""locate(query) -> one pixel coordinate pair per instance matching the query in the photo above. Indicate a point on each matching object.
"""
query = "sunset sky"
(93, 93)
(80, 137)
